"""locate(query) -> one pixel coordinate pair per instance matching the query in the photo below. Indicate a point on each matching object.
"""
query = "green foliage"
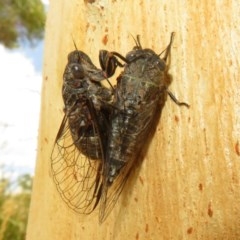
(21, 20)
(14, 206)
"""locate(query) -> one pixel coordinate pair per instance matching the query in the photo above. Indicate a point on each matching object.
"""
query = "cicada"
(101, 136)
(139, 97)
(79, 151)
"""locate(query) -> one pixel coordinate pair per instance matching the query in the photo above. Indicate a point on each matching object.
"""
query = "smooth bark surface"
(188, 185)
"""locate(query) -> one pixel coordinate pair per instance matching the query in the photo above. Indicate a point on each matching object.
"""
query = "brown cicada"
(141, 92)
(78, 155)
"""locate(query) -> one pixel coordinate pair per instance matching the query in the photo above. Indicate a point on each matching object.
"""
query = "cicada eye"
(77, 71)
(160, 64)
(133, 55)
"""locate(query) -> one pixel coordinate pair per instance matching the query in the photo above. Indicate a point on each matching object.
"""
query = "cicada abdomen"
(139, 98)
(80, 146)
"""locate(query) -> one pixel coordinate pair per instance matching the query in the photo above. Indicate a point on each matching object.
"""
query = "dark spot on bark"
(210, 211)
(141, 180)
(237, 148)
(176, 118)
(190, 230)
(105, 39)
(89, 1)
(146, 228)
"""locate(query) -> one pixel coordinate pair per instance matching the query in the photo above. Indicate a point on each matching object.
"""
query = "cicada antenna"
(74, 43)
(168, 49)
(137, 41)
(134, 39)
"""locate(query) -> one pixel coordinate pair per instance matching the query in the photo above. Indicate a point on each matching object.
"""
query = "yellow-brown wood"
(188, 186)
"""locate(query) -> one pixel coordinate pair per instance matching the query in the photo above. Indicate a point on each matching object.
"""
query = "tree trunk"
(189, 182)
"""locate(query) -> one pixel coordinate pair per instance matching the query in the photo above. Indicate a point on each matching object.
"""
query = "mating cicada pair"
(105, 129)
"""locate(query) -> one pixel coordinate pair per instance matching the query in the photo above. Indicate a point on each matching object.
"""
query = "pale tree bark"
(189, 182)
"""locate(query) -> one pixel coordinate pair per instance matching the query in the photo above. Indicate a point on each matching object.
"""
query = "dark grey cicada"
(141, 92)
(78, 155)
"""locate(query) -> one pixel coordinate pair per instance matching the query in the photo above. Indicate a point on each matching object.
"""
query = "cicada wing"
(77, 177)
(110, 194)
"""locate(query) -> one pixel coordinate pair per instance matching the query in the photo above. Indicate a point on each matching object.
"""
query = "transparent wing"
(110, 194)
(77, 177)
